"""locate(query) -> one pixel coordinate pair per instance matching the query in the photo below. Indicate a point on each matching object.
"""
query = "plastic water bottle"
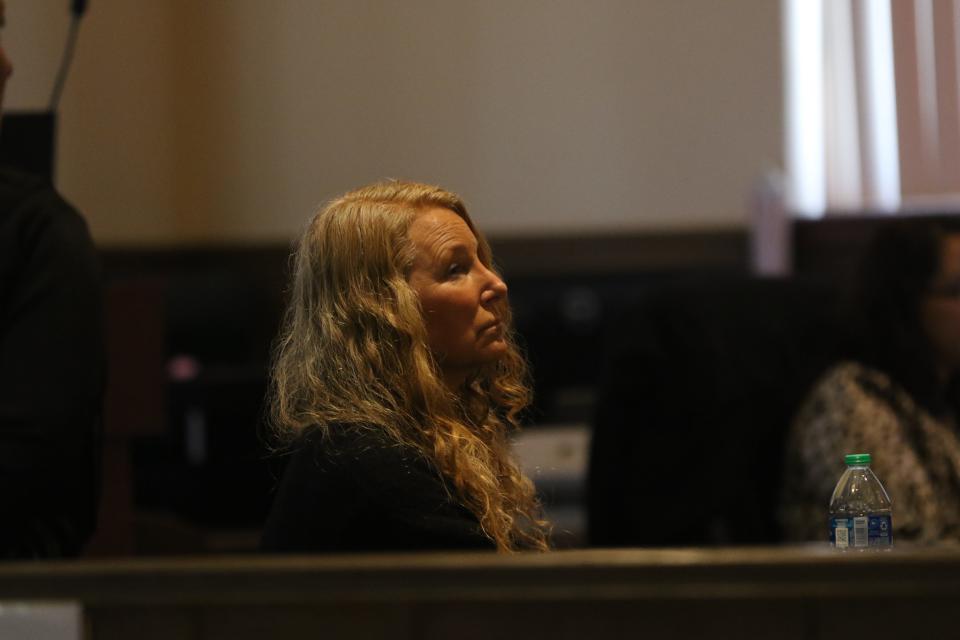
(860, 514)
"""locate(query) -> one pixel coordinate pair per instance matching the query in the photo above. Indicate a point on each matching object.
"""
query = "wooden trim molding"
(535, 255)
(792, 592)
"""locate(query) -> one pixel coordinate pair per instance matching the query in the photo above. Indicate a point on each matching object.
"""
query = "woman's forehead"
(435, 228)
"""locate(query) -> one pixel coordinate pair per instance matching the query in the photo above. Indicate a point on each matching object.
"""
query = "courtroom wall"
(229, 120)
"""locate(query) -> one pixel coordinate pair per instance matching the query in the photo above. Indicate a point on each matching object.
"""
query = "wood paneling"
(808, 592)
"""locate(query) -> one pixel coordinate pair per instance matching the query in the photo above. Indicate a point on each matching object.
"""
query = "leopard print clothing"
(854, 409)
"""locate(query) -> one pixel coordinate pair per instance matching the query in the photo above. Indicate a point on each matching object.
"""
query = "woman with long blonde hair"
(397, 383)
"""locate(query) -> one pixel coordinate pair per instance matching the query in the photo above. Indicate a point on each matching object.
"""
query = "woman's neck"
(455, 380)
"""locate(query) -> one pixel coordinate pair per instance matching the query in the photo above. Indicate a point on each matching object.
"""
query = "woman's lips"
(491, 327)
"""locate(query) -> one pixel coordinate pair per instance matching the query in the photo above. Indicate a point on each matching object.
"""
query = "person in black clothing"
(396, 383)
(51, 368)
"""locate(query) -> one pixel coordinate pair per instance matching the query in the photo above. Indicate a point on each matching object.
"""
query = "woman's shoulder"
(366, 461)
(354, 487)
(853, 400)
(853, 372)
(857, 384)
(338, 436)
(850, 380)
(837, 398)
(350, 447)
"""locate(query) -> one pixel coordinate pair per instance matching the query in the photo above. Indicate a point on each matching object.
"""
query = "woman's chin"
(496, 349)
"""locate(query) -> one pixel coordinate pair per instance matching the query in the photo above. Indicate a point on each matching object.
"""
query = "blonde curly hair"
(354, 350)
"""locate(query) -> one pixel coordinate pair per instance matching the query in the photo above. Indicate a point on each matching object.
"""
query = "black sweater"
(52, 371)
(356, 490)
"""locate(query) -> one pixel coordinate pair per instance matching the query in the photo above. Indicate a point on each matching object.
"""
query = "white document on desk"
(41, 620)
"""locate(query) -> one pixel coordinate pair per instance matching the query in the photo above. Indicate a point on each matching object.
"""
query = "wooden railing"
(689, 593)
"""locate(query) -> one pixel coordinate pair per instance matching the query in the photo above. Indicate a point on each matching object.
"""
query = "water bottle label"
(861, 532)
(839, 534)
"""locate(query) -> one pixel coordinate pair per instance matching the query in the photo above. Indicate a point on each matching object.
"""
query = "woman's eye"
(456, 269)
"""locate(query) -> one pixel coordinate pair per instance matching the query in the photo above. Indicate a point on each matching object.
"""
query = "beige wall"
(224, 120)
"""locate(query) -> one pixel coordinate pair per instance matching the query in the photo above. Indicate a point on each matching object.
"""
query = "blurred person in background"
(899, 399)
(52, 367)
(397, 383)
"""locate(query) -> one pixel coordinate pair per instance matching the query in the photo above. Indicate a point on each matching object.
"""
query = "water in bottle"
(860, 514)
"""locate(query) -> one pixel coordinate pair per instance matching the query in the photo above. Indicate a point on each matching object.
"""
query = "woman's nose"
(496, 288)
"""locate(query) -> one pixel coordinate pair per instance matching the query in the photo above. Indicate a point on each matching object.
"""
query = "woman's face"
(458, 294)
(940, 309)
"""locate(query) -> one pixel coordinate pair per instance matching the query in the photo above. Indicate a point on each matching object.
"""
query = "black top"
(52, 371)
(356, 490)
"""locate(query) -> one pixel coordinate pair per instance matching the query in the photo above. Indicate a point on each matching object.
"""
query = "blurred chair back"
(134, 404)
(699, 386)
